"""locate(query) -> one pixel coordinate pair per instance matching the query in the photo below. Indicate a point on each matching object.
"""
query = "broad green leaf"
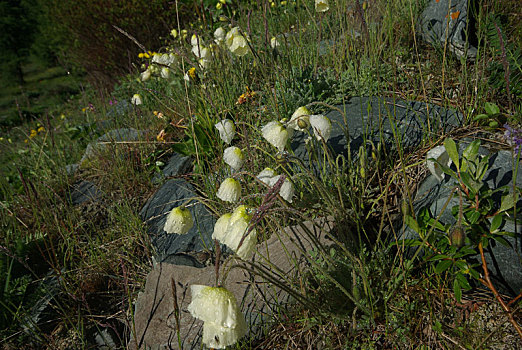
(472, 216)
(457, 290)
(502, 241)
(438, 257)
(480, 117)
(495, 223)
(491, 108)
(482, 168)
(443, 266)
(412, 223)
(447, 170)
(451, 148)
(508, 201)
(463, 281)
(471, 152)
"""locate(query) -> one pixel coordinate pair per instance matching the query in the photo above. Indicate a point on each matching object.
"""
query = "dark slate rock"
(505, 263)
(371, 118)
(84, 191)
(116, 135)
(173, 248)
(176, 165)
(440, 22)
(71, 169)
(119, 109)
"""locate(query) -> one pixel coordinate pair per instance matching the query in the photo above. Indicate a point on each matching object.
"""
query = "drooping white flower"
(229, 190)
(233, 156)
(438, 153)
(276, 134)
(145, 75)
(237, 227)
(165, 73)
(136, 100)
(230, 228)
(203, 63)
(322, 126)
(202, 52)
(300, 119)
(227, 130)
(236, 42)
(195, 40)
(163, 59)
(274, 43)
(179, 221)
(220, 227)
(321, 5)
(219, 35)
(229, 38)
(287, 190)
(266, 175)
(224, 324)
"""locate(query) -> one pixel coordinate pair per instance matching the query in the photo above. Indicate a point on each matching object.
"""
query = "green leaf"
(502, 241)
(495, 223)
(463, 281)
(471, 152)
(412, 223)
(472, 216)
(438, 257)
(480, 117)
(482, 168)
(457, 290)
(508, 201)
(443, 266)
(491, 108)
(451, 148)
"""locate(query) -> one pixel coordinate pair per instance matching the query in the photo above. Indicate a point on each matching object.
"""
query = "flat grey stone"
(174, 248)
(155, 324)
(119, 109)
(505, 263)
(447, 21)
(85, 191)
(103, 142)
(372, 118)
(176, 165)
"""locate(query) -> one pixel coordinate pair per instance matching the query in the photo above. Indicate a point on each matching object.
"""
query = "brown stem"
(487, 282)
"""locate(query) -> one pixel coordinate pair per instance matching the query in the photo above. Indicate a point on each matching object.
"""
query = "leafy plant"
(452, 248)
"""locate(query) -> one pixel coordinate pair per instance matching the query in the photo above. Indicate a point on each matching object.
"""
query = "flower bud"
(321, 5)
(458, 237)
(300, 119)
(179, 221)
(136, 100)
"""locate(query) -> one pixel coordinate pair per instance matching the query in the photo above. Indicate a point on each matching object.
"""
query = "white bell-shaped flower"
(287, 190)
(224, 324)
(236, 226)
(219, 35)
(232, 33)
(234, 157)
(202, 52)
(266, 175)
(322, 126)
(229, 190)
(136, 100)
(300, 119)
(321, 5)
(274, 42)
(195, 40)
(227, 130)
(438, 153)
(220, 227)
(145, 75)
(276, 134)
(179, 221)
(165, 73)
(239, 46)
